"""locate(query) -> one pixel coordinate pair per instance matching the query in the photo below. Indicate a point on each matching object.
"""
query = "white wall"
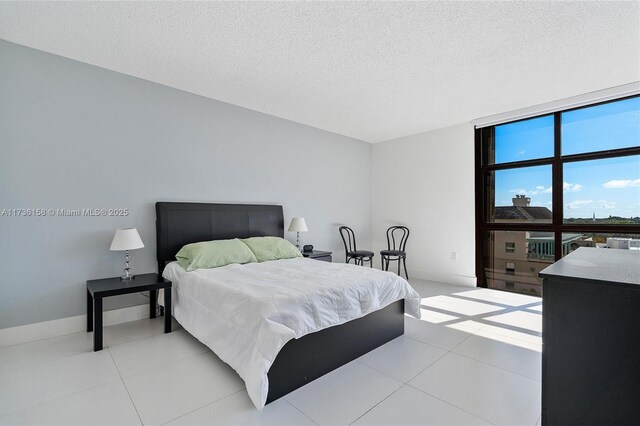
(77, 136)
(426, 182)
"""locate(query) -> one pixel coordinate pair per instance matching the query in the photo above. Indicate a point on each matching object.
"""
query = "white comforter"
(246, 313)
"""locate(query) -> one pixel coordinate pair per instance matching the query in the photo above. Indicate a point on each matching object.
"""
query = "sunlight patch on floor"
(507, 335)
(537, 308)
(502, 297)
(509, 318)
(436, 317)
(466, 326)
(458, 306)
(520, 319)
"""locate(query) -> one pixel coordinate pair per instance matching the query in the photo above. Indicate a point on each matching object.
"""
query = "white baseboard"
(443, 278)
(60, 327)
(461, 280)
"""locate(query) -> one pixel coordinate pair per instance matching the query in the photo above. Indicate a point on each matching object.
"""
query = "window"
(573, 241)
(520, 195)
(612, 125)
(605, 190)
(510, 142)
(528, 252)
(510, 267)
(551, 184)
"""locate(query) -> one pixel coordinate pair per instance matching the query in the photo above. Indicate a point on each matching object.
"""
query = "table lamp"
(298, 225)
(126, 239)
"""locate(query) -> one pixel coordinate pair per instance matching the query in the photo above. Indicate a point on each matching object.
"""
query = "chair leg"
(404, 262)
(398, 266)
(371, 262)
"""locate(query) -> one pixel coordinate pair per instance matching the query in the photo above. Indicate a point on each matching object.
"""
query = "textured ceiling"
(373, 71)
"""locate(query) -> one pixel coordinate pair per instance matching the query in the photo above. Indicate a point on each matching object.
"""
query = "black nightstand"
(325, 256)
(98, 289)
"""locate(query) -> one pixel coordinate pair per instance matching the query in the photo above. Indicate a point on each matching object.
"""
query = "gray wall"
(76, 136)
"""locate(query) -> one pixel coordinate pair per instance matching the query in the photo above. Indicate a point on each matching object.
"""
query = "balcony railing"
(540, 256)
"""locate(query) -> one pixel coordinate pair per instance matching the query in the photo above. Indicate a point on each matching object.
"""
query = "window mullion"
(557, 185)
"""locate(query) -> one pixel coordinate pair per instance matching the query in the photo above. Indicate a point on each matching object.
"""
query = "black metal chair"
(352, 252)
(397, 237)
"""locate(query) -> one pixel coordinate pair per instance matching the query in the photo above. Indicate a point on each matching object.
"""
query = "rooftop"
(522, 213)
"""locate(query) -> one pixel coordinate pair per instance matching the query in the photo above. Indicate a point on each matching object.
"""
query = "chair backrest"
(348, 238)
(397, 237)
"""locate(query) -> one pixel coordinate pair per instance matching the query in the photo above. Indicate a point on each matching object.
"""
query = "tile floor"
(474, 358)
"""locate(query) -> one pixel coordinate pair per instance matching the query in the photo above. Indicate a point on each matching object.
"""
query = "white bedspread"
(246, 313)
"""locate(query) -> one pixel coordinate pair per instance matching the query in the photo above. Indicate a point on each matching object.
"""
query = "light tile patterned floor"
(474, 358)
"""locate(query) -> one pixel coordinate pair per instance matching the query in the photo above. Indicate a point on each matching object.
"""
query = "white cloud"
(578, 203)
(540, 189)
(607, 204)
(624, 183)
(571, 187)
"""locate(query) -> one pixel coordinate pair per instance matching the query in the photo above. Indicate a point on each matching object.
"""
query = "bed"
(299, 360)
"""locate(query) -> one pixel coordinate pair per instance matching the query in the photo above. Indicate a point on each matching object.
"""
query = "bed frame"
(301, 360)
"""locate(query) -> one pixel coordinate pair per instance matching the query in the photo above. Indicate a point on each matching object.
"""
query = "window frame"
(483, 170)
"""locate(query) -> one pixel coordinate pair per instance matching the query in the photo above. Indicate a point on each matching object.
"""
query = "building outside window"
(549, 185)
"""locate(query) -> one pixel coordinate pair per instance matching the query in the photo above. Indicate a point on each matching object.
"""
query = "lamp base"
(127, 269)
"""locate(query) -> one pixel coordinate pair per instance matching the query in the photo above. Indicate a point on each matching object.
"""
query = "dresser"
(591, 338)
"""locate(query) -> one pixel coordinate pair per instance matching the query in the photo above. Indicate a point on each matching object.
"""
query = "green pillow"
(213, 254)
(271, 248)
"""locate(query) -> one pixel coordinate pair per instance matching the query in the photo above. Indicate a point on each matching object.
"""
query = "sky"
(608, 187)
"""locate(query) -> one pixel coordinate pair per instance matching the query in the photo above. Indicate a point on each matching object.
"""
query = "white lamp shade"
(298, 225)
(126, 239)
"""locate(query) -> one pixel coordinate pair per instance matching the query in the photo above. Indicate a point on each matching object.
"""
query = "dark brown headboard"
(178, 224)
